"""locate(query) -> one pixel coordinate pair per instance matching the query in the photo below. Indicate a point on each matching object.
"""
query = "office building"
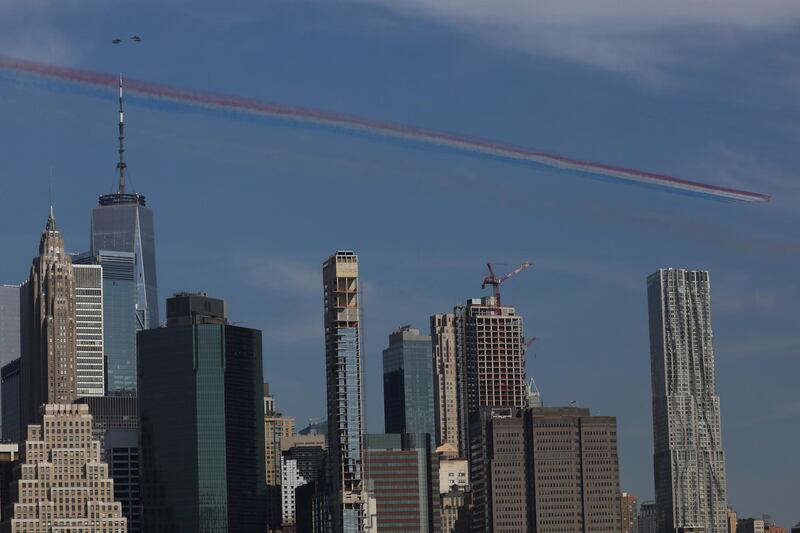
(201, 422)
(10, 347)
(573, 471)
(9, 323)
(408, 383)
(452, 472)
(454, 489)
(120, 321)
(447, 380)
(629, 511)
(122, 222)
(63, 483)
(276, 428)
(750, 525)
(302, 460)
(733, 520)
(494, 354)
(10, 389)
(9, 457)
(689, 463)
(401, 469)
(115, 425)
(90, 372)
(48, 322)
(497, 471)
(347, 499)
(455, 505)
(647, 518)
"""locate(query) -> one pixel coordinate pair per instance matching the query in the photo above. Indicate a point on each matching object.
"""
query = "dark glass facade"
(9, 323)
(201, 432)
(10, 388)
(127, 226)
(115, 423)
(408, 383)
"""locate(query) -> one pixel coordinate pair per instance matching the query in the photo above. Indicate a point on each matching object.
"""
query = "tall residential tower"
(446, 382)
(494, 354)
(344, 393)
(689, 462)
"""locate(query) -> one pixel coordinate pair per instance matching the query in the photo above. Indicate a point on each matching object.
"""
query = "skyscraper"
(201, 422)
(446, 382)
(689, 462)
(342, 321)
(302, 460)
(10, 388)
(9, 323)
(63, 483)
(573, 471)
(494, 354)
(9, 327)
(50, 350)
(90, 372)
(120, 321)
(115, 424)
(276, 428)
(122, 222)
(403, 470)
(408, 383)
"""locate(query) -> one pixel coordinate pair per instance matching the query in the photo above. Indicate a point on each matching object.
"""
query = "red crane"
(495, 282)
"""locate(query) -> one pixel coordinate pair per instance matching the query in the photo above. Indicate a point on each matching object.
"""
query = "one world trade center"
(123, 242)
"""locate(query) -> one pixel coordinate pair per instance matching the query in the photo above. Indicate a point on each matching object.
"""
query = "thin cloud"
(279, 274)
(642, 38)
(27, 30)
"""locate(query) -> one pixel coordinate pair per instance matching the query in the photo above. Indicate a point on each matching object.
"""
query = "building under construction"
(346, 488)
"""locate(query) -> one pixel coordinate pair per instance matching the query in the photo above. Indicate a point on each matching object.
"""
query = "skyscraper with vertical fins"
(688, 460)
(347, 496)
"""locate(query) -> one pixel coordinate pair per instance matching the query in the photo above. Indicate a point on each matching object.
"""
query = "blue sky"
(248, 208)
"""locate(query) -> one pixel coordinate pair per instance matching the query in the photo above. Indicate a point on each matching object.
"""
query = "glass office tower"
(408, 383)
(202, 422)
(123, 223)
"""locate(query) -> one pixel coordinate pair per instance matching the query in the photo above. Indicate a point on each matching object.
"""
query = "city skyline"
(592, 243)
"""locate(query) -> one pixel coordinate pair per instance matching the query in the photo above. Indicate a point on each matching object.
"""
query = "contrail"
(260, 108)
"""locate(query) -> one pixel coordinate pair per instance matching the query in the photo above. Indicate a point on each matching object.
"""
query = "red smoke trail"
(354, 123)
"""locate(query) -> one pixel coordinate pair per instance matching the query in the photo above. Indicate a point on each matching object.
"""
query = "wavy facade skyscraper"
(689, 463)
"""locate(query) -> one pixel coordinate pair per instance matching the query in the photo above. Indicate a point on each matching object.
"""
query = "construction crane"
(495, 282)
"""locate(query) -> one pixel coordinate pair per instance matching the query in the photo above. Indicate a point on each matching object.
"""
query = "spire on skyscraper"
(51, 217)
(121, 164)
